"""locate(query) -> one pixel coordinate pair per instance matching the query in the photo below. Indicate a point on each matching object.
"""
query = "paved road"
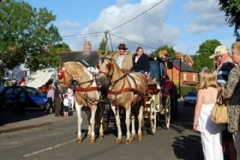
(57, 141)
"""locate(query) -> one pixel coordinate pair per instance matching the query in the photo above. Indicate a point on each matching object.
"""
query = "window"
(184, 76)
(194, 77)
(7, 73)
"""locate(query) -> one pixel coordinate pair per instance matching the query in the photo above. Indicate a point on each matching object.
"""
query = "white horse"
(125, 90)
(77, 76)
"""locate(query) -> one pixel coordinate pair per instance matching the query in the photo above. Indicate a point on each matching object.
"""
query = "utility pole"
(106, 38)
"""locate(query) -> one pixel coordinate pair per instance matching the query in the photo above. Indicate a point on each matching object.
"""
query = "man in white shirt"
(123, 58)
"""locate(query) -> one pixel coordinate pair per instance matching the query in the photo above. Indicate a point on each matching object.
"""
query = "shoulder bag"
(219, 112)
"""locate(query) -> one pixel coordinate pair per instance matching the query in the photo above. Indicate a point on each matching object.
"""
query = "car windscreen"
(32, 92)
(192, 94)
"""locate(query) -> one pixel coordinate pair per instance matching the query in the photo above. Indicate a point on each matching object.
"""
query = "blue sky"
(182, 24)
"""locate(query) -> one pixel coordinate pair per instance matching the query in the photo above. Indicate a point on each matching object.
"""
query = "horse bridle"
(76, 87)
(109, 67)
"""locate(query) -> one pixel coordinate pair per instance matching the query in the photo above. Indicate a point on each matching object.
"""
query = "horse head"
(65, 79)
(106, 69)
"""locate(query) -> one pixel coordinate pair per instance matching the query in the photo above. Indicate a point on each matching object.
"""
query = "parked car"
(34, 98)
(190, 99)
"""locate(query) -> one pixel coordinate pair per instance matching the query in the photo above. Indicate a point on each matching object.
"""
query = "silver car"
(190, 99)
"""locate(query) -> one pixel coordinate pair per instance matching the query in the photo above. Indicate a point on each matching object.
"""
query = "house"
(89, 56)
(18, 72)
(183, 73)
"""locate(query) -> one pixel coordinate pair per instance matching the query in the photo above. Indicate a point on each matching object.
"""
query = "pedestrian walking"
(58, 101)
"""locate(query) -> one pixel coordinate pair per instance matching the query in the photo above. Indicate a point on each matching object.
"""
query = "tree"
(24, 34)
(164, 49)
(232, 13)
(201, 59)
(102, 47)
(60, 47)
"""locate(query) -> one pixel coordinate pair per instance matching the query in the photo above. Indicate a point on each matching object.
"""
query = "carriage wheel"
(153, 117)
(167, 111)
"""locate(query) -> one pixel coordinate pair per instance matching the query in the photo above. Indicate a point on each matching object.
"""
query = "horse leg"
(92, 123)
(88, 113)
(79, 122)
(127, 121)
(102, 120)
(133, 128)
(140, 118)
(118, 123)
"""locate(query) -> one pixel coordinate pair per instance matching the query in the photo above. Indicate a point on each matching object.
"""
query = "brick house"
(182, 71)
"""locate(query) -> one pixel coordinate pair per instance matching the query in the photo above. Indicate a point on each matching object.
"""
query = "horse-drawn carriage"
(140, 99)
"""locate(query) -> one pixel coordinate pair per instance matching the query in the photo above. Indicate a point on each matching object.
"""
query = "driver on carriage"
(123, 58)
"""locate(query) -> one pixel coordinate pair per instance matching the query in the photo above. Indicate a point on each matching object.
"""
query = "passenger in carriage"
(123, 59)
(140, 62)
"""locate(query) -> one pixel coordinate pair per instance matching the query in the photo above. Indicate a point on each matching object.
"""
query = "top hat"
(122, 46)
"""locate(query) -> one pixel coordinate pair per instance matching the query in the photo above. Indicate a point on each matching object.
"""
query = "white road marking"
(46, 149)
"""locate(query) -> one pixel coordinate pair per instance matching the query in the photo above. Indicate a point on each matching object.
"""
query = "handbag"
(219, 112)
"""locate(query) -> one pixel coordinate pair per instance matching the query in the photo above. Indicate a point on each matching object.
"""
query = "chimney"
(87, 46)
(180, 55)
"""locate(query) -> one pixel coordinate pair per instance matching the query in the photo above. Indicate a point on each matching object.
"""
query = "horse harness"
(76, 86)
(124, 77)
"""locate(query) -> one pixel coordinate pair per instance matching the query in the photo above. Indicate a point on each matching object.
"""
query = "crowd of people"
(63, 103)
(220, 139)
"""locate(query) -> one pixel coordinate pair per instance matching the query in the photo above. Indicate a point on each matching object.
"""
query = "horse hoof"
(118, 141)
(101, 136)
(140, 138)
(128, 141)
(92, 141)
(88, 135)
(79, 140)
(132, 137)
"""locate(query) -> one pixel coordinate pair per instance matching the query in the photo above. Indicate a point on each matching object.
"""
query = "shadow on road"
(7, 117)
(185, 146)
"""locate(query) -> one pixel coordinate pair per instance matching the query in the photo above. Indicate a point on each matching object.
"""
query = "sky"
(182, 24)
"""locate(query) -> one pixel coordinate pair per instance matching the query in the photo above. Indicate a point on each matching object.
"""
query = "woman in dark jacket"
(140, 62)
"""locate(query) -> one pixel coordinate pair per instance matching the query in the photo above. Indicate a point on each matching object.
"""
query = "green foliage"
(171, 52)
(232, 13)
(185, 89)
(102, 47)
(201, 59)
(24, 34)
(60, 47)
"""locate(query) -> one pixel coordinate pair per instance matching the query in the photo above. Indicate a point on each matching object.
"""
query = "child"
(210, 131)
(65, 104)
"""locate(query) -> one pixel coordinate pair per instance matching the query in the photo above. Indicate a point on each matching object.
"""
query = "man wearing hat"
(225, 64)
(123, 59)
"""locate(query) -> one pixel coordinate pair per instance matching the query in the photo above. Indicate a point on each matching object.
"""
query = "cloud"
(144, 30)
(206, 18)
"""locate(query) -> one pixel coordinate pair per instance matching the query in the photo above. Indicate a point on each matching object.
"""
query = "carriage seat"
(152, 89)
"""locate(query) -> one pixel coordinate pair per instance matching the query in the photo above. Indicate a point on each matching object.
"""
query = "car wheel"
(47, 107)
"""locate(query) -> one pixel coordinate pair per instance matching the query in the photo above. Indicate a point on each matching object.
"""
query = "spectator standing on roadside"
(231, 92)
(50, 96)
(210, 131)
(225, 64)
(65, 105)
(58, 101)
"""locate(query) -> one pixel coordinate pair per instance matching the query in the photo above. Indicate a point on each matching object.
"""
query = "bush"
(185, 89)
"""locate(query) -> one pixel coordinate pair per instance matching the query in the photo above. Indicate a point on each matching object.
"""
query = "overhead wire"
(87, 34)
(132, 41)
(137, 16)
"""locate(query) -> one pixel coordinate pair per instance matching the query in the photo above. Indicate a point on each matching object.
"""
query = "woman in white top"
(211, 132)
